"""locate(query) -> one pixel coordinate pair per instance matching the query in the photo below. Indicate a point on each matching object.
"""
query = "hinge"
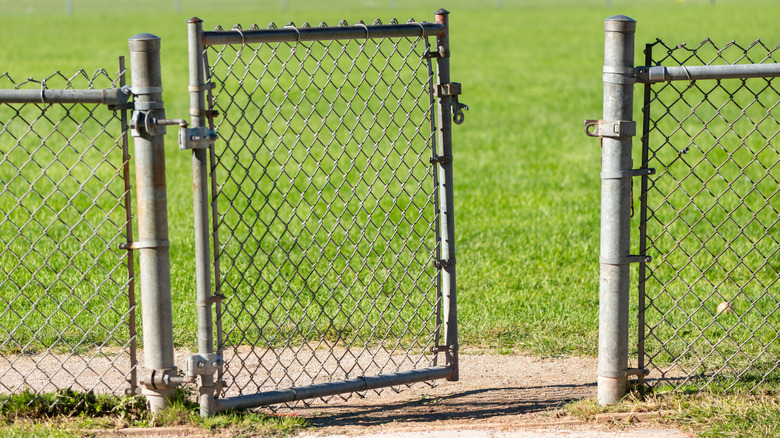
(439, 349)
(209, 301)
(442, 263)
(438, 54)
(441, 159)
(196, 138)
(610, 128)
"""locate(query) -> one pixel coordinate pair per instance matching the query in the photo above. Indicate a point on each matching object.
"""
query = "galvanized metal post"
(615, 209)
(153, 245)
(446, 195)
(201, 211)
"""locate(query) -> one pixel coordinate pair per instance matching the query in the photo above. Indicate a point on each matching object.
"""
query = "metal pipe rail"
(654, 74)
(107, 96)
(333, 388)
(293, 34)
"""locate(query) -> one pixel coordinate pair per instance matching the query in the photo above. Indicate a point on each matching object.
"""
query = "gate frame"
(201, 139)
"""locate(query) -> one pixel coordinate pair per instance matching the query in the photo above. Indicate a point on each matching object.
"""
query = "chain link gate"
(710, 215)
(708, 244)
(330, 209)
(67, 299)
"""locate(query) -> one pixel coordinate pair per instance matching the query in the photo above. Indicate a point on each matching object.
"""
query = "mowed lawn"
(527, 185)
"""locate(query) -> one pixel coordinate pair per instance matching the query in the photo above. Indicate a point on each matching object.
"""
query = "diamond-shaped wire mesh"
(325, 205)
(712, 222)
(66, 302)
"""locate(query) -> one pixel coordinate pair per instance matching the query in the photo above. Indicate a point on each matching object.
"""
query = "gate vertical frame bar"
(641, 300)
(446, 200)
(128, 200)
(200, 173)
(614, 287)
(151, 197)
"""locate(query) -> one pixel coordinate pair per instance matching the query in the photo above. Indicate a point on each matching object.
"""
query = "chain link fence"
(325, 203)
(709, 300)
(67, 306)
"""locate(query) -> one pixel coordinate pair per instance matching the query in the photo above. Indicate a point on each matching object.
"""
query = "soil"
(498, 395)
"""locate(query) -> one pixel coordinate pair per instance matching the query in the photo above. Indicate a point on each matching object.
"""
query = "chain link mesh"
(324, 210)
(66, 289)
(711, 291)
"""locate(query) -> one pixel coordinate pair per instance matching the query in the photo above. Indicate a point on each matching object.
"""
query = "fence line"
(707, 218)
(67, 289)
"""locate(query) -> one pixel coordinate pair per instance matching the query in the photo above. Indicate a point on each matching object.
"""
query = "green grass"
(526, 177)
(68, 413)
(707, 414)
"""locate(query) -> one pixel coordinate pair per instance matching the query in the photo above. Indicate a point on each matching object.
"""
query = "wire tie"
(296, 31)
(364, 27)
(422, 29)
(240, 32)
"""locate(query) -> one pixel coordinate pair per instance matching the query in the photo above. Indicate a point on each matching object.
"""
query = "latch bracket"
(196, 138)
(610, 128)
(202, 364)
(451, 89)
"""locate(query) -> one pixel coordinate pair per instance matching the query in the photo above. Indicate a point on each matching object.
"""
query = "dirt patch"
(497, 393)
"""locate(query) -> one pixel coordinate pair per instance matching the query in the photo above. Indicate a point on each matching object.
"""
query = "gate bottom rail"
(333, 388)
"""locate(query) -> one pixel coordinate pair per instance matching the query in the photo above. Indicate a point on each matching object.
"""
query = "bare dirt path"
(497, 396)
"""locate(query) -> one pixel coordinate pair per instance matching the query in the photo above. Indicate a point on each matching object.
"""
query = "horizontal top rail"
(294, 34)
(651, 75)
(107, 96)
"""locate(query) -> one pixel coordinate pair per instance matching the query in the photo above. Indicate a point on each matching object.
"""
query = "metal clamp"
(610, 128)
(202, 364)
(164, 378)
(196, 138)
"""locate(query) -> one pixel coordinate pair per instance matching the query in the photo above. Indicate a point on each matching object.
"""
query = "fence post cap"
(620, 23)
(194, 20)
(144, 42)
(144, 37)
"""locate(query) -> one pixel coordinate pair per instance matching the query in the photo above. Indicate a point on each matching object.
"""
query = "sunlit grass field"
(526, 178)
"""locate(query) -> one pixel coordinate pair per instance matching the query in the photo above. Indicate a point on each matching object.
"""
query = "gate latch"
(453, 90)
(196, 138)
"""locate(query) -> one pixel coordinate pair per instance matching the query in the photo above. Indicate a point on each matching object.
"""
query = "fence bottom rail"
(333, 388)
